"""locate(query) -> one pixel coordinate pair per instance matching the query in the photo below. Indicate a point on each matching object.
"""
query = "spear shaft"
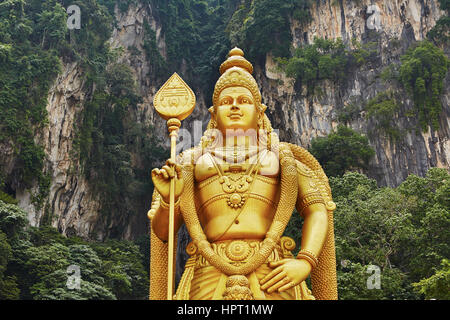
(170, 270)
(174, 102)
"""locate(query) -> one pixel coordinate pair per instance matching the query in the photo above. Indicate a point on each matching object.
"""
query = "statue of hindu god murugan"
(236, 192)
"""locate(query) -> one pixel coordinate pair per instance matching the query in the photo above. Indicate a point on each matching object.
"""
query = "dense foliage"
(422, 72)
(196, 28)
(34, 264)
(105, 143)
(34, 39)
(436, 286)
(256, 26)
(262, 26)
(404, 231)
(324, 59)
(342, 150)
(440, 33)
(31, 36)
(383, 109)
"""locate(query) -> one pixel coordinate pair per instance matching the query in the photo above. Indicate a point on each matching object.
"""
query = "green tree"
(382, 109)
(38, 264)
(52, 24)
(53, 287)
(436, 286)
(342, 150)
(265, 27)
(123, 269)
(324, 59)
(371, 226)
(440, 33)
(8, 284)
(422, 72)
(44, 260)
(12, 219)
(384, 213)
(431, 218)
(262, 26)
(403, 230)
(353, 278)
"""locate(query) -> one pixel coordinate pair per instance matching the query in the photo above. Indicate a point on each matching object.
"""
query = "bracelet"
(308, 256)
(165, 205)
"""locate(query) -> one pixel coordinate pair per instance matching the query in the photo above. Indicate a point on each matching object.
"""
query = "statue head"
(236, 98)
(237, 86)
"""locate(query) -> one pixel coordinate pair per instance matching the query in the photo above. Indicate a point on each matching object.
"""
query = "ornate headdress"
(237, 71)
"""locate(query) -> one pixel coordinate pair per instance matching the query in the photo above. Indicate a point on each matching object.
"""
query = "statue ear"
(213, 121)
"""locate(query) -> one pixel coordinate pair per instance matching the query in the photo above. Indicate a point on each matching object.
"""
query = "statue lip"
(235, 116)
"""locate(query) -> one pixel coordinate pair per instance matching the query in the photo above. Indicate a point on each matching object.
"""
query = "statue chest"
(233, 194)
(209, 165)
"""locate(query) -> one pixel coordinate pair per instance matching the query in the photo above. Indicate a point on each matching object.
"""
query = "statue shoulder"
(270, 165)
(311, 177)
(304, 157)
(189, 157)
(204, 167)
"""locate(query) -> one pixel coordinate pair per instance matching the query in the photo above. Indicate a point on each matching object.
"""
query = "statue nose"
(234, 105)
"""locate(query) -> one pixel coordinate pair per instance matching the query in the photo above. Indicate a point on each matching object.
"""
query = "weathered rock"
(303, 118)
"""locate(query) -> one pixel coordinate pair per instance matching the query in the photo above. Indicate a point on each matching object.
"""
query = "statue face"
(236, 110)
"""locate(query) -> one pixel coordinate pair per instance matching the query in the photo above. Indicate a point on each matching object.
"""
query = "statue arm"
(159, 213)
(160, 219)
(311, 205)
(315, 228)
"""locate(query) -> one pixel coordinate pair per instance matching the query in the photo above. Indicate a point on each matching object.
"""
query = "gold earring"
(213, 123)
(260, 122)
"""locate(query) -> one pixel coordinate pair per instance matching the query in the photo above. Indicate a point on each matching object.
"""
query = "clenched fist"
(161, 180)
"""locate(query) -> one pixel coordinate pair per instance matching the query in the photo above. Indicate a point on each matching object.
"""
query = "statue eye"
(246, 100)
(225, 102)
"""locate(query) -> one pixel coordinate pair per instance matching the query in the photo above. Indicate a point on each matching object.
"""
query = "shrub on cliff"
(422, 72)
(342, 150)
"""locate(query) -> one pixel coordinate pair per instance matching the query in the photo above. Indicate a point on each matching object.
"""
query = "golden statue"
(236, 192)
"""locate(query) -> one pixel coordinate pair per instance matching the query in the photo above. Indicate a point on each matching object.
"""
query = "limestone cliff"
(303, 118)
(299, 118)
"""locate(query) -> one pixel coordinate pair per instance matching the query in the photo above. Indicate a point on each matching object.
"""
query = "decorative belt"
(237, 252)
(237, 287)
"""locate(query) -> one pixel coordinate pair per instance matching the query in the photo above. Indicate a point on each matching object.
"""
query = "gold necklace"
(236, 184)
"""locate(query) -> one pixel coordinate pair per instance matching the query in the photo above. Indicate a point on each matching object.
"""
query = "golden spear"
(174, 102)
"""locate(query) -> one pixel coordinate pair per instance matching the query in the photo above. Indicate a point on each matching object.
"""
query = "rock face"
(73, 207)
(393, 25)
(298, 118)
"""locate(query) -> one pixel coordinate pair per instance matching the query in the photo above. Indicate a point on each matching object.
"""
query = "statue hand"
(287, 274)
(161, 180)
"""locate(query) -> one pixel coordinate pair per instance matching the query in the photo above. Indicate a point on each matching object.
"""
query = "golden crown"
(237, 71)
